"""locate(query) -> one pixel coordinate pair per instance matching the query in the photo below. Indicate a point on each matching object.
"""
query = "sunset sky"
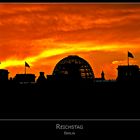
(43, 34)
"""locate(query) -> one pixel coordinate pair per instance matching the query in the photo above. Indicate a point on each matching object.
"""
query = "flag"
(27, 65)
(130, 55)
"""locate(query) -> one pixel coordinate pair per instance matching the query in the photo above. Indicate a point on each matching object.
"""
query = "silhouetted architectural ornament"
(11, 78)
(24, 78)
(102, 76)
(41, 78)
(73, 67)
(130, 72)
(4, 75)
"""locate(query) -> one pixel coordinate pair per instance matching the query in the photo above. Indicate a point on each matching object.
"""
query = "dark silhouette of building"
(101, 78)
(90, 98)
(24, 78)
(3, 75)
(128, 73)
(41, 78)
(72, 67)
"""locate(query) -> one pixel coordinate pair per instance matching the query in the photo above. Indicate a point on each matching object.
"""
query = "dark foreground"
(70, 100)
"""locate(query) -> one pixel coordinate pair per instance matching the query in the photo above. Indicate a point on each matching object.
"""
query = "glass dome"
(73, 67)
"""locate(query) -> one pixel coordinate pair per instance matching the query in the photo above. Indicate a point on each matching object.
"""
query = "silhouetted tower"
(3, 75)
(11, 78)
(130, 72)
(102, 75)
(41, 78)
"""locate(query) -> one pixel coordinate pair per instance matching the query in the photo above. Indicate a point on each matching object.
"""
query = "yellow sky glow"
(43, 34)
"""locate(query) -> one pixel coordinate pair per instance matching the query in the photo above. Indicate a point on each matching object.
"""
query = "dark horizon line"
(52, 74)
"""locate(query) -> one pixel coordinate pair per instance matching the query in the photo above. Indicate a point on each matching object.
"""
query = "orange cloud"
(42, 34)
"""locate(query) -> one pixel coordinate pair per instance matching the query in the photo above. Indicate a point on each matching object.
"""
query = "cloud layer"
(42, 34)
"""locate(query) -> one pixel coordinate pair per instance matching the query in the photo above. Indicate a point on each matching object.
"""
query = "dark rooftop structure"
(41, 78)
(127, 73)
(73, 67)
(3, 75)
(24, 78)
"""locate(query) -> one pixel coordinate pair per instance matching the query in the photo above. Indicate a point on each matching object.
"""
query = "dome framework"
(73, 67)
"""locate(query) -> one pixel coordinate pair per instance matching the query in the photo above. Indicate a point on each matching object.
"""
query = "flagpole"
(25, 69)
(128, 60)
